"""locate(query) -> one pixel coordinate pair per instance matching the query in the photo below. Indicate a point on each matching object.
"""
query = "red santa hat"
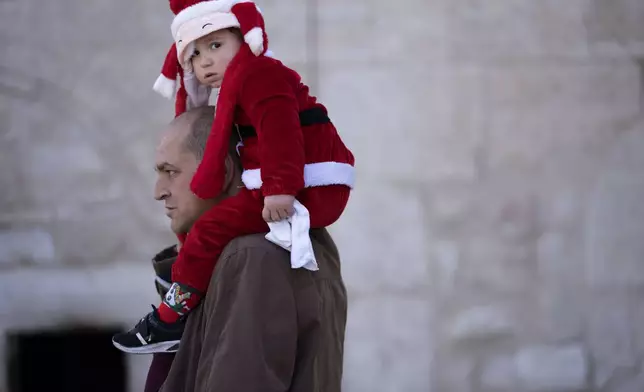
(197, 18)
(205, 17)
(166, 83)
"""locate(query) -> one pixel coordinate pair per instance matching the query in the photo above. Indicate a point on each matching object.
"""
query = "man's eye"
(194, 54)
(172, 173)
(215, 45)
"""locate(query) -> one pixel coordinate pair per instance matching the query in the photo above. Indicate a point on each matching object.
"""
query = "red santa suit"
(290, 147)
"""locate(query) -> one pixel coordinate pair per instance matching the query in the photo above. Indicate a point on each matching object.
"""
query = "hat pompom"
(164, 86)
(166, 83)
(255, 40)
(251, 23)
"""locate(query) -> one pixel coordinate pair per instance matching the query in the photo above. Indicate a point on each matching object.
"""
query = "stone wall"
(493, 242)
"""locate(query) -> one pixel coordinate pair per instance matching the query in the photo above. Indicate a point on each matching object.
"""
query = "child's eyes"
(214, 45)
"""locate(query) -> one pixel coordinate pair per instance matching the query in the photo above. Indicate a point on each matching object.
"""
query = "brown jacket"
(264, 327)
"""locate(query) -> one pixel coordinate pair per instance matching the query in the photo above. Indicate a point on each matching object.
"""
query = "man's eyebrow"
(165, 166)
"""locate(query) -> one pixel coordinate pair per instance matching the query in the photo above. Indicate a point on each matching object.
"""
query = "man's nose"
(160, 192)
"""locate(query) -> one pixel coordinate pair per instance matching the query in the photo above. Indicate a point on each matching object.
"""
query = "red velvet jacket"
(262, 92)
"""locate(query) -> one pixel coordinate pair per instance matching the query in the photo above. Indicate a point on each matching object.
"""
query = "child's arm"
(278, 207)
(269, 101)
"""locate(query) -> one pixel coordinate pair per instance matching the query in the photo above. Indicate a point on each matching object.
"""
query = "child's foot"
(150, 335)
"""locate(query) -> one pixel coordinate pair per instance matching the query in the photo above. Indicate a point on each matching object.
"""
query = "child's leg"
(236, 216)
(325, 203)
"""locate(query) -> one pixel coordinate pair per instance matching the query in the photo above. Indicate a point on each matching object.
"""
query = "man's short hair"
(200, 123)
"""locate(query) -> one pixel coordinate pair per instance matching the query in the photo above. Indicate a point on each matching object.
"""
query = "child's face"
(213, 53)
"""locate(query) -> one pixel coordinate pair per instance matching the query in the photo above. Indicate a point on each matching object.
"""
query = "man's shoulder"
(253, 244)
(320, 238)
(255, 251)
(249, 256)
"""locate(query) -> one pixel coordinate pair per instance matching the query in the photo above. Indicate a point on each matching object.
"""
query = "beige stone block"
(388, 345)
(542, 85)
(450, 204)
(615, 27)
(562, 300)
(290, 26)
(455, 374)
(498, 29)
(49, 188)
(96, 233)
(383, 240)
(561, 311)
(26, 246)
(496, 266)
(610, 331)
(615, 217)
(552, 248)
(633, 382)
(403, 123)
(554, 120)
(504, 210)
(101, 236)
(444, 264)
(482, 323)
(636, 309)
(561, 210)
(499, 374)
(55, 160)
(56, 39)
(367, 32)
(69, 296)
(552, 368)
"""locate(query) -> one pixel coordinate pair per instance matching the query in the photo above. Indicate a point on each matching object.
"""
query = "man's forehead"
(171, 146)
(172, 137)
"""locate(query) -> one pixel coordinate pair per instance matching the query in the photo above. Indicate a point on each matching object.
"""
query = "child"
(297, 171)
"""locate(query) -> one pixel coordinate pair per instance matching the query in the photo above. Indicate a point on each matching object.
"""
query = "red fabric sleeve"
(269, 100)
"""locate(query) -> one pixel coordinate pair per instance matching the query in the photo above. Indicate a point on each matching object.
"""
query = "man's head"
(177, 158)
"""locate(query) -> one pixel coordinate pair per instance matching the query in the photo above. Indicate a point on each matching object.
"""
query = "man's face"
(212, 55)
(175, 167)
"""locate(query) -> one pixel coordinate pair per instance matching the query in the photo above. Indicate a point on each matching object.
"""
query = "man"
(161, 362)
(263, 326)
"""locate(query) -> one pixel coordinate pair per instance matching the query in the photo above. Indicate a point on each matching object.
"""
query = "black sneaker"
(150, 335)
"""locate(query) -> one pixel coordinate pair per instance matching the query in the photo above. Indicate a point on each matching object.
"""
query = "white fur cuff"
(315, 174)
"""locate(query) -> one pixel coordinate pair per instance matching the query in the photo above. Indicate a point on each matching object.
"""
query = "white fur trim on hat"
(196, 28)
(255, 40)
(199, 10)
(164, 86)
(315, 174)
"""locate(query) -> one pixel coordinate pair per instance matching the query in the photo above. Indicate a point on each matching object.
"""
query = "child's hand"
(277, 207)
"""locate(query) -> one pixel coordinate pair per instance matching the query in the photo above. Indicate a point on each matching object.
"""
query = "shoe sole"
(164, 347)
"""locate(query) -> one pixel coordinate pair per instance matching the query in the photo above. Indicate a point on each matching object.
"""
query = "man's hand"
(278, 207)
